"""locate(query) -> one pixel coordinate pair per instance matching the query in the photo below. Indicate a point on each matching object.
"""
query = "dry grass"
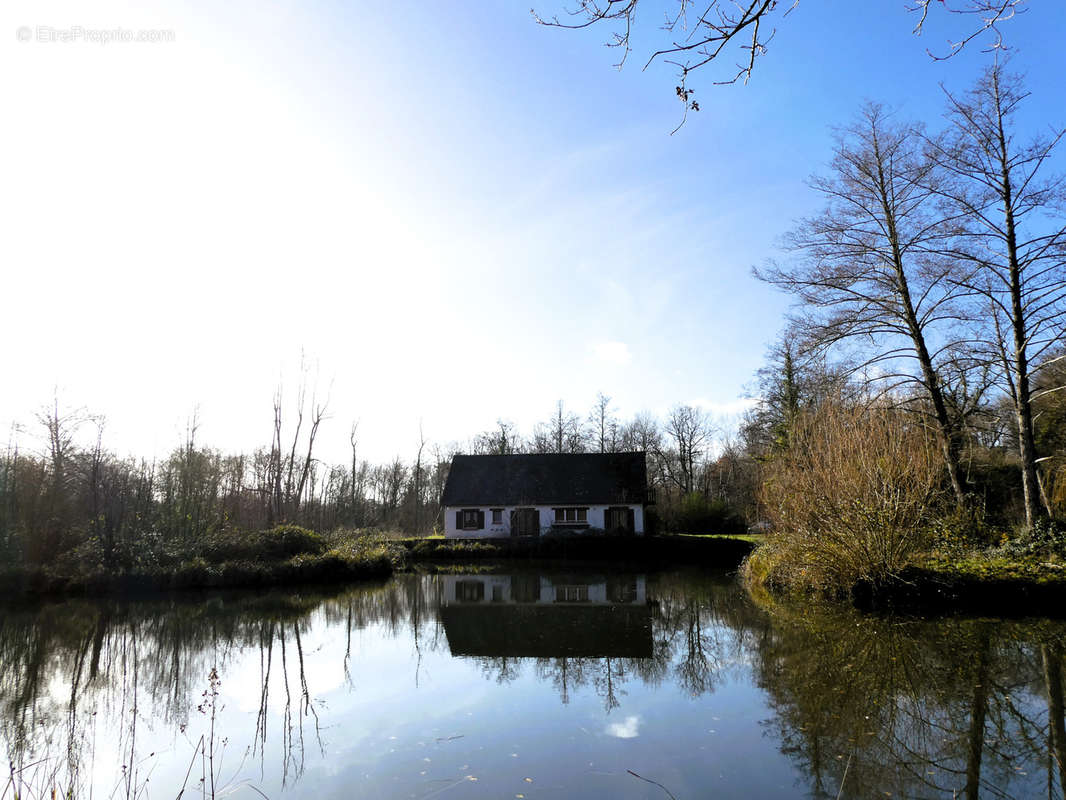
(850, 500)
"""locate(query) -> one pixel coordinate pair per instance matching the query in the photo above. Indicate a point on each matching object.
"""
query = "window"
(469, 591)
(572, 516)
(621, 591)
(497, 516)
(469, 519)
(571, 594)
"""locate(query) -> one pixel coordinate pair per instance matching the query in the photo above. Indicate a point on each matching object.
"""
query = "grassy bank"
(285, 555)
(289, 555)
(977, 583)
(718, 551)
(1023, 575)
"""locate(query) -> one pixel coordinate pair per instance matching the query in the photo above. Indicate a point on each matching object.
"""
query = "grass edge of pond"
(937, 584)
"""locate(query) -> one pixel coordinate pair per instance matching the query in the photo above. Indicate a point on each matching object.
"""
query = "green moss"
(995, 568)
(752, 538)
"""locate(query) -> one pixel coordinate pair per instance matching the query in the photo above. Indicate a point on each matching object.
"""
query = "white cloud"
(626, 729)
(613, 352)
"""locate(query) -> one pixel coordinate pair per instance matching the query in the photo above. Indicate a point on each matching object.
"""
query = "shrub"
(1045, 538)
(278, 543)
(851, 499)
(960, 532)
(700, 515)
(286, 541)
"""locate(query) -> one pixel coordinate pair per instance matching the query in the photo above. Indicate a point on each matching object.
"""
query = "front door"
(619, 520)
(525, 522)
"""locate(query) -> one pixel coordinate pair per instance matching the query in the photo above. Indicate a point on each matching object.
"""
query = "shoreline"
(977, 587)
(397, 555)
(936, 587)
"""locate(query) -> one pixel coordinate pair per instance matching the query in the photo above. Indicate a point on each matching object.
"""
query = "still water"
(525, 685)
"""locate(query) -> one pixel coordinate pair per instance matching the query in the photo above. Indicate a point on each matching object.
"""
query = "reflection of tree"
(565, 674)
(1051, 656)
(910, 707)
(609, 682)
(975, 740)
(125, 662)
(916, 708)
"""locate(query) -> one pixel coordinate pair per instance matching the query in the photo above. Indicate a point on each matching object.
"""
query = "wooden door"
(525, 522)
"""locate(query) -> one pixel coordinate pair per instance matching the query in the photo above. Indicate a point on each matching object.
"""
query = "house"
(529, 495)
(528, 615)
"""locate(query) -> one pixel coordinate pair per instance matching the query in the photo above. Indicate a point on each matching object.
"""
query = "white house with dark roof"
(530, 495)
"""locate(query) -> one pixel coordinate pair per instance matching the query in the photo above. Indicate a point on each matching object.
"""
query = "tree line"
(72, 499)
(916, 398)
(935, 275)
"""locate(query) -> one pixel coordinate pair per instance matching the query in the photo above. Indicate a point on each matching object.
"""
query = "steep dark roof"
(540, 479)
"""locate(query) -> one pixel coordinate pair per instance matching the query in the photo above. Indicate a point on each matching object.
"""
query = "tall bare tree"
(503, 440)
(417, 476)
(290, 470)
(563, 433)
(869, 273)
(1011, 222)
(604, 424)
(691, 432)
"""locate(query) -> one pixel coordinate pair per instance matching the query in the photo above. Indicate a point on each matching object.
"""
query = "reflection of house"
(526, 495)
(546, 616)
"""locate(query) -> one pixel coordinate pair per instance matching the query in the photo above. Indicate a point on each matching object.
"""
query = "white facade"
(623, 590)
(596, 518)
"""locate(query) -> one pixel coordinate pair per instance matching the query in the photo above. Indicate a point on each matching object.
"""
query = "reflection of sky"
(411, 721)
(629, 728)
(381, 735)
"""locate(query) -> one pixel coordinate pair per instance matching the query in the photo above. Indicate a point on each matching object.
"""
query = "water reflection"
(918, 708)
(397, 688)
(547, 616)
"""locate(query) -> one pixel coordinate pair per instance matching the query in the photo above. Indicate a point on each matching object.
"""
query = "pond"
(525, 685)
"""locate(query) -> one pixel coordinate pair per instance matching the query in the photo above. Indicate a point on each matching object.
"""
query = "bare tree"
(869, 272)
(604, 424)
(695, 36)
(691, 432)
(562, 433)
(641, 433)
(501, 441)
(62, 428)
(1012, 231)
(288, 472)
(418, 478)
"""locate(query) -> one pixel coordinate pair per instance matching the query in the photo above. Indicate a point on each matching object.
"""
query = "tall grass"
(850, 500)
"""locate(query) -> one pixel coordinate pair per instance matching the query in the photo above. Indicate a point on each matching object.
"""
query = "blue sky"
(455, 216)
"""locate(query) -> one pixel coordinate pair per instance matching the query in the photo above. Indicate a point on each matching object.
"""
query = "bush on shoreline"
(852, 499)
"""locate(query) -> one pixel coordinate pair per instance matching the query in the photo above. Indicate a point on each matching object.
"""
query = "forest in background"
(72, 498)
